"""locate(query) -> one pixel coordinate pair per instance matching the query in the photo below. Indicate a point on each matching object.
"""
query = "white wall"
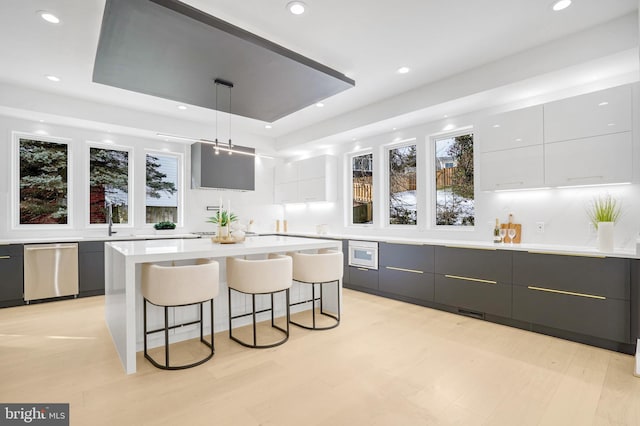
(562, 210)
(247, 205)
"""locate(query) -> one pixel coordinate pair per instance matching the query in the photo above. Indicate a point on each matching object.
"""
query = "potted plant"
(222, 219)
(603, 212)
(164, 227)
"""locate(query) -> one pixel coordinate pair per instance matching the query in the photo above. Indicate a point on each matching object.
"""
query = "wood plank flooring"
(388, 363)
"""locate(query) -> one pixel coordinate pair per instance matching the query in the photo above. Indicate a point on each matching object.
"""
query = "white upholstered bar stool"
(175, 286)
(323, 268)
(259, 277)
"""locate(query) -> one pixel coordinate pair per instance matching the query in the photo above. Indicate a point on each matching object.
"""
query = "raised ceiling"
(168, 49)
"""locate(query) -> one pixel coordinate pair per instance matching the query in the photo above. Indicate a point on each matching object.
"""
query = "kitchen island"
(123, 301)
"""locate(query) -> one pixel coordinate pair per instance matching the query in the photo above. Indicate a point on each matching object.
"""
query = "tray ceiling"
(168, 49)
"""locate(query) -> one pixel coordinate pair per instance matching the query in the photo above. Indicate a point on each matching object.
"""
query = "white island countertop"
(122, 273)
(527, 247)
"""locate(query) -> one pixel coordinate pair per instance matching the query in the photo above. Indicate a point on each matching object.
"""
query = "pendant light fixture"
(219, 82)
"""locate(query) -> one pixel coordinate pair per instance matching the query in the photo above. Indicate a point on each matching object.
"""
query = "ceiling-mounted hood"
(168, 49)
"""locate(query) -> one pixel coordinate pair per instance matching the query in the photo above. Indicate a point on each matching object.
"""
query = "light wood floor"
(388, 363)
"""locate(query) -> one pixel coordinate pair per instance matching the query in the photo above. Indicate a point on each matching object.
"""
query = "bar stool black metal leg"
(166, 336)
(253, 308)
(230, 314)
(313, 303)
(144, 313)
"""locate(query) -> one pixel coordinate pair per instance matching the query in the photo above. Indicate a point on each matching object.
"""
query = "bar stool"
(174, 286)
(322, 268)
(255, 277)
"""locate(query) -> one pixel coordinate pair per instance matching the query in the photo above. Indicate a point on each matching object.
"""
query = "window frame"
(130, 184)
(15, 181)
(180, 185)
(387, 184)
(349, 200)
(431, 180)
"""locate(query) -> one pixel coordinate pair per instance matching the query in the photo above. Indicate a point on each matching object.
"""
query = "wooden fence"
(362, 192)
(402, 182)
(444, 178)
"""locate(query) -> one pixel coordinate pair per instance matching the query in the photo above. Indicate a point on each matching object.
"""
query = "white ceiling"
(367, 40)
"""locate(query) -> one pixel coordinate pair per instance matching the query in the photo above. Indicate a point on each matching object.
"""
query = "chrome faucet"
(110, 219)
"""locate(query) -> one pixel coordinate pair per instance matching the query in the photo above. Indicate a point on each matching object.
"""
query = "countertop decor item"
(603, 212)
(164, 227)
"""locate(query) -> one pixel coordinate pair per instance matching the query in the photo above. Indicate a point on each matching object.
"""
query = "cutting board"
(518, 228)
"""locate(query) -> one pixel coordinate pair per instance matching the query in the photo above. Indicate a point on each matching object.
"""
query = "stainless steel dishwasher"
(50, 270)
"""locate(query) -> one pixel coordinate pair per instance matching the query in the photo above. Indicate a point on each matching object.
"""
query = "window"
(362, 194)
(402, 186)
(161, 188)
(108, 185)
(454, 181)
(43, 192)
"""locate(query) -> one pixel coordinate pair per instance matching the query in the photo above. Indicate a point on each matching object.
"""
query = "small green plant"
(223, 218)
(603, 209)
(165, 225)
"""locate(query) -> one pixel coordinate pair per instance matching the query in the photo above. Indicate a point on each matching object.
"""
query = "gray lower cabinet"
(363, 278)
(586, 295)
(12, 273)
(91, 268)
(474, 281)
(406, 270)
(345, 262)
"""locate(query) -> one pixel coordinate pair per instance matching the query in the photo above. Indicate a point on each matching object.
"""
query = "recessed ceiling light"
(394, 128)
(42, 121)
(319, 104)
(496, 126)
(561, 4)
(296, 7)
(403, 70)
(49, 17)
(182, 107)
(603, 103)
(445, 116)
(611, 124)
(53, 78)
(267, 126)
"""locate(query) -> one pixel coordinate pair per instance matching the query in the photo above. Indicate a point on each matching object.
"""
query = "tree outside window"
(161, 188)
(108, 185)
(43, 182)
(402, 186)
(454, 181)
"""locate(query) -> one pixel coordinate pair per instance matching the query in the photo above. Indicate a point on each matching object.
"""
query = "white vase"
(605, 236)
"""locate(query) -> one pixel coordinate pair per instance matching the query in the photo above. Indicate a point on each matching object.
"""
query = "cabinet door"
(312, 168)
(490, 265)
(477, 296)
(312, 190)
(608, 277)
(597, 160)
(362, 277)
(286, 173)
(512, 168)
(286, 193)
(604, 318)
(12, 271)
(409, 283)
(406, 256)
(513, 129)
(593, 114)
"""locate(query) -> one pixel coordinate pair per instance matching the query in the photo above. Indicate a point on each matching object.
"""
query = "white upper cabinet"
(513, 129)
(589, 161)
(512, 168)
(308, 180)
(598, 113)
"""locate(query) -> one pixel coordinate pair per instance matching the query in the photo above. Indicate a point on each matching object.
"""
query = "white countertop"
(534, 248)
(116, 237)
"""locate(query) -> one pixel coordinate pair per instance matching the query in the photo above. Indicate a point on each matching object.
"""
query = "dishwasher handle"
(50, 247)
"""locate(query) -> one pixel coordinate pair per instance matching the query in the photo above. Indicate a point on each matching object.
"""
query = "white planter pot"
(605, 236)
(164, 231)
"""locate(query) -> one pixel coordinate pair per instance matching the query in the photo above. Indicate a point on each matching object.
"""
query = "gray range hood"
(222, 171)
(168, 49)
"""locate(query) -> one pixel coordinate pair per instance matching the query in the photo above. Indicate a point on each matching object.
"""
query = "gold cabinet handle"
(362, 269)
(570, 293)
(471, 247)
(5, 257)
(393, 268)
(477, 280)
(556, 253)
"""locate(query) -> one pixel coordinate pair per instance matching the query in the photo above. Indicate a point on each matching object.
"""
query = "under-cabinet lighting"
(523, 189)
(605, 103)
(319, 104)
(53, 78)
(592, 185)
(268, 126)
